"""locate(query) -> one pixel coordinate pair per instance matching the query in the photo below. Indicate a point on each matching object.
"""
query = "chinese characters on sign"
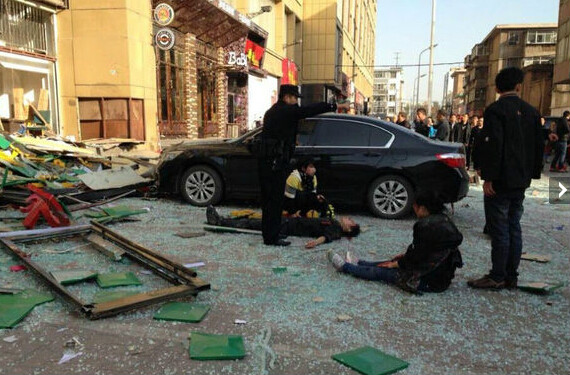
(290, 72)
(254, 53)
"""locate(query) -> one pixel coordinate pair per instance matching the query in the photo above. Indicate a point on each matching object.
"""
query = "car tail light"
(452, 160)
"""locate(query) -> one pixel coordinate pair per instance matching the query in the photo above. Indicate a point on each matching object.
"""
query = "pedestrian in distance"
(402, 120)
(510, 156)
(275, 151)
(560, 143)
(420, 124)
(452, 124)
(429, 263)
(473, 132)
(442, 126)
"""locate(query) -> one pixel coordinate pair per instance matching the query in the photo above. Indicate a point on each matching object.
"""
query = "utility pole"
(430, 77)
(397, 58)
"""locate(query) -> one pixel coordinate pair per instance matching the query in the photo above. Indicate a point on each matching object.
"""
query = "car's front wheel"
(201, 186)
(390, 197)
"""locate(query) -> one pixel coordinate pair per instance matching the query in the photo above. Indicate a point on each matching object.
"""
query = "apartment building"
(519, 45)
(561, 77)
(457, 93)
(338, 51)
(388, 89)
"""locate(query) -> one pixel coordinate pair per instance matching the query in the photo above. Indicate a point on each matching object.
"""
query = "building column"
(191, 89)
(222, 95)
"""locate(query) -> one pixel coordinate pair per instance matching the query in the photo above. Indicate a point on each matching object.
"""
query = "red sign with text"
(290, 72)
(254, 53)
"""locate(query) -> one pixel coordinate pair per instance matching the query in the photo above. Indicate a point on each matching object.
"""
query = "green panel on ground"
(540, 286)
(108, 295)
(182, 312)
(279, 269)
(370, 361)
(15, 307)
(204, 346)
(109, 280)
(73, 276)
(4, 143)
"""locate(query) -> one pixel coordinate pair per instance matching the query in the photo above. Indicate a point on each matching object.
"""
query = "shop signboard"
(164, 38)
(163, 14)
(290, 72)
(254, 53)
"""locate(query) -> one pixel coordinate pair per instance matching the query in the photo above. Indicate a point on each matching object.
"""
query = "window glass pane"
(379, 137)
(339, 133)
(305, 133)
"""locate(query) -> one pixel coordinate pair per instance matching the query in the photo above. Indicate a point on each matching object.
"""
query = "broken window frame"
(184, 280)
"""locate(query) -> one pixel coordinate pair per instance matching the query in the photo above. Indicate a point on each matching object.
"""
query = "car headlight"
(165, 157)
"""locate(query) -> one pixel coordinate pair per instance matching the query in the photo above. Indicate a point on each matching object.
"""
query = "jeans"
(371, 271)
(503, 212)
(560, 148)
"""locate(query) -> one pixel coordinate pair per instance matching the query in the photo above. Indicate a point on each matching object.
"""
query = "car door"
(344, 157)
(242, 172)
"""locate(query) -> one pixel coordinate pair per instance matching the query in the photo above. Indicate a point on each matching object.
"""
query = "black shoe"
(511, 283)
(279, 242)
(282, 236)
(212, 216)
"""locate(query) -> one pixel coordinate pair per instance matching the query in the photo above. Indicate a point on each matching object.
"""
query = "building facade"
(457, 93)
(388, 91)
(561, 78)
(28, 61)
(519, 45)
(338, 51)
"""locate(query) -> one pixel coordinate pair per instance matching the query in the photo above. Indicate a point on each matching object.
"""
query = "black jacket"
(562, 129)
(404, 123)
(461, 133)
(442, 132)
(433, 255)
(280, 121)
(422, 128)
(511, 146)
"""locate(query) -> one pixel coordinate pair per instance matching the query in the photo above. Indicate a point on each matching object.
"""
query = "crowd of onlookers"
(462, 128)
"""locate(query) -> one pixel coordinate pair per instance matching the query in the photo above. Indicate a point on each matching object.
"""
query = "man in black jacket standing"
(277, 146)
(420, 125)
(510, 156)
(442, 126)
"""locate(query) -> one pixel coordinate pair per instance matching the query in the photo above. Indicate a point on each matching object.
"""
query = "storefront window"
(172, 103)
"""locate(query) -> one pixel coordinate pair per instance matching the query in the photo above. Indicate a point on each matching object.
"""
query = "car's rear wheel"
(390, 197)
(201, 186)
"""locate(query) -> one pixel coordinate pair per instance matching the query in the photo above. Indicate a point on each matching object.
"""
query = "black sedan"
(359, 160)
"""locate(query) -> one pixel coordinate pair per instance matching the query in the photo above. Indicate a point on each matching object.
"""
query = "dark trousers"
(504, 211)
(560, 149)
(241, 223)
(468, 156)
(272, 182)
(371, 271)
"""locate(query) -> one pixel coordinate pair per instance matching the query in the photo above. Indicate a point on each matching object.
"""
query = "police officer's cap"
(289, 90)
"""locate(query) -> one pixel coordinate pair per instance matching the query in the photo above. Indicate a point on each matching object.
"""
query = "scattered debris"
(370, 361)
(262, 349)
(343, 318)
(536, 257)
(278, 270)
(15, 307)
(182, 312)
(18, 268)
(240, 321)
(68, 357)
(560, 227)
(190, 234)
(10, 339)
(73, 276)
(318, 299)
(540, 287)
(194, 265)
(204, 346)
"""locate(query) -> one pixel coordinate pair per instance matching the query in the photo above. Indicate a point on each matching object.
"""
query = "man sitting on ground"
(325, 230)
(430, 261)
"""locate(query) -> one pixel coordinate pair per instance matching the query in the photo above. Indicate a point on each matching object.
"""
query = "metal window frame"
(184, 280)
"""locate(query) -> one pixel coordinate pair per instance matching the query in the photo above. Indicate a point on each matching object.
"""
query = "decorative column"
(222, 94)
(191, 87)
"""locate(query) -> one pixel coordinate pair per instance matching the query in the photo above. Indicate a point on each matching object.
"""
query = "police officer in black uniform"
(276, 149)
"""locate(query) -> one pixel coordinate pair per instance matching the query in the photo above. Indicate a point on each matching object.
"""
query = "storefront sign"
(163, 14)
(164, 39)
(254, 53)
(290, 72)
(237, 59)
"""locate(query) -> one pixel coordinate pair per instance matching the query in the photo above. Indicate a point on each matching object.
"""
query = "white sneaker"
(336, 260)
(350, 258)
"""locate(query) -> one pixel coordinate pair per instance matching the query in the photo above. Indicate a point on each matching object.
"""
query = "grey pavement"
(462, 331)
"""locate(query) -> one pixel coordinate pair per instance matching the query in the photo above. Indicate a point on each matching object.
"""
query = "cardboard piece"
(18, 98)
(113, 279)
(541, 287)
(69, 277)
(536, 257)
(190, 234)
(205, 346)
(370, 361)
(112, 178)
(182, 312)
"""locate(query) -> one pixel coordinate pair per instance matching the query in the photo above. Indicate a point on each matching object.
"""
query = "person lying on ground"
(324, 229)
(301, 192)
(430, 261)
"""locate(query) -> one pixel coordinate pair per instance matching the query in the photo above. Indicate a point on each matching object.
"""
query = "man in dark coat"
(402, 120)
(461, 131)
(420, 123)
(561, 130)
(452, 125)
(510, 156)
(277, 146)
(442, 126)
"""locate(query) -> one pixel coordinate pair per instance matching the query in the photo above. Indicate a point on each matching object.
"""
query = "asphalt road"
(462, 331)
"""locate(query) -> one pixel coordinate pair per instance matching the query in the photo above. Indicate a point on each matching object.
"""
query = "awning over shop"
(213, 21)
(55, 3)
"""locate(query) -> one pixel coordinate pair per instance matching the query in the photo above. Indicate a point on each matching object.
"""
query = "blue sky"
(404, 26)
